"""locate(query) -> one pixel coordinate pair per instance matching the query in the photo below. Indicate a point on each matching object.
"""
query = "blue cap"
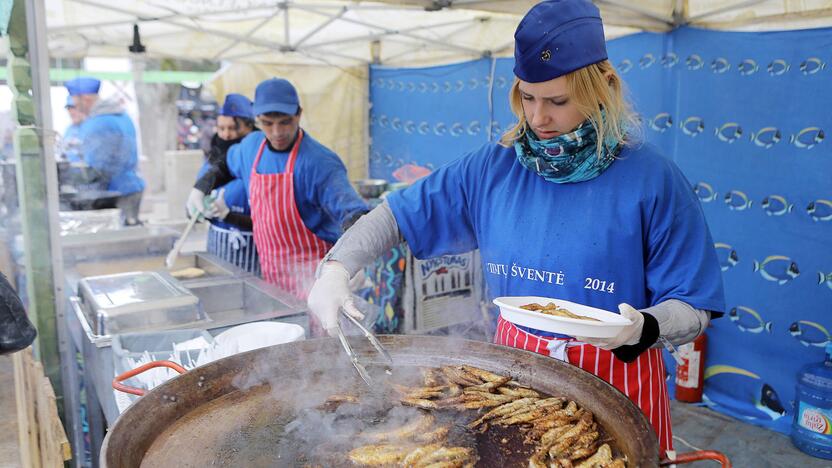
(83, 85)
(557, 37)
(69, 102)
(237, 105)
(276, 95)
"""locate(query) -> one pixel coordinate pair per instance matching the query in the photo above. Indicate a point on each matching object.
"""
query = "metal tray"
(135, 301)
(128, 241)
(213, 266)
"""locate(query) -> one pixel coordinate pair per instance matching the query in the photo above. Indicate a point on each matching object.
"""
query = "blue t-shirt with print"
(634, 234)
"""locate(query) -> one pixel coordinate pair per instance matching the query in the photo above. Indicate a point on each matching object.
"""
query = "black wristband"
(649, 336)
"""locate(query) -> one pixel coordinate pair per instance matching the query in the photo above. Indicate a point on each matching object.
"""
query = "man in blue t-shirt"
(301, 200)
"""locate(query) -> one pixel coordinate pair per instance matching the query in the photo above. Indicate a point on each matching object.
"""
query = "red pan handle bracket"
(690, 457)
(132, 373)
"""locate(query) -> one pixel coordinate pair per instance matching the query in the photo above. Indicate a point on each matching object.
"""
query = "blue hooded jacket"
(109, 146)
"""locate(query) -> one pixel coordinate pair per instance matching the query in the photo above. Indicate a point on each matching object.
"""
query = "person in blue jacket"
(301, 199)
(71, 140)
(570, 204)
(108, 146)
(229, 236)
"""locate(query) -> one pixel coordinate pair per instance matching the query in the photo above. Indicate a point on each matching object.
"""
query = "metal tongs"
(362, 371)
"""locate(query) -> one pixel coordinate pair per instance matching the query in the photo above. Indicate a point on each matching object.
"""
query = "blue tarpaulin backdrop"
(744, 115)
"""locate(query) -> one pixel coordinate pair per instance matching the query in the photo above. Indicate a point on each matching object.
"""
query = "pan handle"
(690, 457)
(132, 373)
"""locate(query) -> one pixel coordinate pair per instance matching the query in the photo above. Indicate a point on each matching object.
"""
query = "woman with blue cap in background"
(230, 234)
(301, 200)
(568, 200)
(108, 146)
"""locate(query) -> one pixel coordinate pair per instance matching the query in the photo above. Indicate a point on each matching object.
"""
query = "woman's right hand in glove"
(329, 294)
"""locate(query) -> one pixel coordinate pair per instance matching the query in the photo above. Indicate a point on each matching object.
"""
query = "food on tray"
(188, 273)
(560, 433)
(334, 401)
(553, 309)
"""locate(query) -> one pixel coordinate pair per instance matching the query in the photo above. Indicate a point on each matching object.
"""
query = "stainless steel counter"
(228, 297)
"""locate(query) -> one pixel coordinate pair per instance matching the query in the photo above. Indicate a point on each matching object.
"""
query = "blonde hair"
(592, 88)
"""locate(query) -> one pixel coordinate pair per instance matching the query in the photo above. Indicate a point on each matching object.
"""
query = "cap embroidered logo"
(546, 55)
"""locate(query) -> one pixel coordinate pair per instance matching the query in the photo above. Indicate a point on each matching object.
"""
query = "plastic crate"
(131, 350)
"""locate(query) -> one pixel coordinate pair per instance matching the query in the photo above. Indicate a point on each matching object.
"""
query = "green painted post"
(28, 69)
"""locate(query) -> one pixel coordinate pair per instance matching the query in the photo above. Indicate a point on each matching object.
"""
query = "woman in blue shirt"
(230, 234)
(569, 204)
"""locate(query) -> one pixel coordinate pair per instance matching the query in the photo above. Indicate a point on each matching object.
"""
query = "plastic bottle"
(812, 425)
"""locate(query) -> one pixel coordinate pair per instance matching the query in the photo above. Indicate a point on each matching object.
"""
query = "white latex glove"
(217, 209)
(629, 335)
(329, 294)
(196, 203)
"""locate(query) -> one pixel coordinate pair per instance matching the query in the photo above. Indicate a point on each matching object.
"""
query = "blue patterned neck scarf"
(568, 158)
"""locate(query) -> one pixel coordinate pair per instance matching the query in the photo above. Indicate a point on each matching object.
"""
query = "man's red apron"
(643, 380)
(289, 252)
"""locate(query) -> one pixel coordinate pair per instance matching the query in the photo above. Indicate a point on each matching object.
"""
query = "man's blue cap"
(83, 85)
(69, 102)
(237, 105)
(557, 37)
(276, 95)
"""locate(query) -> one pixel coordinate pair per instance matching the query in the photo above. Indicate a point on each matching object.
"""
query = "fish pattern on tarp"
(750, 116)
(745, 116)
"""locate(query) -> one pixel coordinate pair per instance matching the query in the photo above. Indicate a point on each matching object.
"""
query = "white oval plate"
(610, 324)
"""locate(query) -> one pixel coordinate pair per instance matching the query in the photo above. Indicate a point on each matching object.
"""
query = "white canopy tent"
(324, 46)
(392, 32)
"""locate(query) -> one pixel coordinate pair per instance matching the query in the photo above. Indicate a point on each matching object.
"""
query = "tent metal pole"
(299, 50)
(335, 6)
(320, 27)
(313, 53)
(402, 32)
(247, 36)
(285, 8)
(253, 41)
(37, 186)
(266, 50)
(423, 45)
(140, 18)
(104, 24)
(388, 32)
(627, 6)
(725, 9)
(680, 12)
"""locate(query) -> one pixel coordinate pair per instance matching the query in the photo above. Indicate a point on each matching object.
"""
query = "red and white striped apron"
(289, 252)
(642, 380)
